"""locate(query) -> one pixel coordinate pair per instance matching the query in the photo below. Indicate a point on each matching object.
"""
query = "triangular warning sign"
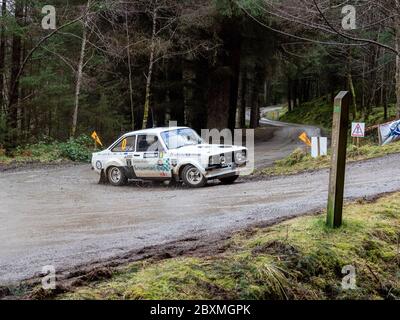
(358, 131)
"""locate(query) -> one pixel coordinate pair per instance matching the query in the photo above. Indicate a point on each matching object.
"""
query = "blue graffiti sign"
(390, 132)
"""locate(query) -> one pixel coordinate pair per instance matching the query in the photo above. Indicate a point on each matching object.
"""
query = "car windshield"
(179, 138)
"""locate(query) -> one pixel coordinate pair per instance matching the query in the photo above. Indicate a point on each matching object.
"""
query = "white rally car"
(175, 154)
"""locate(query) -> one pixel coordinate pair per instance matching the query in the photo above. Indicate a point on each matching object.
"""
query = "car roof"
(153, 130)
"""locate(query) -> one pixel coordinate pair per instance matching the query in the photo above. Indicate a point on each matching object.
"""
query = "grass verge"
(49, 151)
(298, 259)
(319, 112)
(301, 161)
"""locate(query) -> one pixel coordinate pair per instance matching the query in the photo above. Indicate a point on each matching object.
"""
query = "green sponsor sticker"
(337, 109)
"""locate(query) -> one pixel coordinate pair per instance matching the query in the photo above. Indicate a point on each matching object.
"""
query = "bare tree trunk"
(243, 105)
(397, 40)
(373, 83)
(219, 98)
(254, 111)
(363, 87)
(150, 71)
(2, 57)
(385, 91)
(289, 95)
(239, 104)
(351, 84)
(353, 94)
(166, 114)
(12, 112)
(295, 94)
(189, 80)
(130, 70)
(79, 82)
(385, 103)
(234, 61)
(79, 74)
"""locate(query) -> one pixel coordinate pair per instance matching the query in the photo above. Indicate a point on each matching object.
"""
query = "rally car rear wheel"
(116, 176)
(192, 177)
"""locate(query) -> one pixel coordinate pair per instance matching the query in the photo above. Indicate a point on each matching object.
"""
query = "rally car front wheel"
(116, 176)
(192, 177)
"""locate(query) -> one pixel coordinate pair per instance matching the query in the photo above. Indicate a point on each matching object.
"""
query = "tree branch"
(33, 50)
(350, 37)
(294, 36)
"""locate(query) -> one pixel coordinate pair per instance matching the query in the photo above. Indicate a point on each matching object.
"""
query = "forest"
(304, 207)
(119, 65)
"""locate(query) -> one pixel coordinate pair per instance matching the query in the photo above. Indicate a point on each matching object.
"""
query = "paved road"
(62, 217)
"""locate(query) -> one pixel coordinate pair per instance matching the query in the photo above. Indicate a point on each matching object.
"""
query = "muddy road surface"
(62, 217)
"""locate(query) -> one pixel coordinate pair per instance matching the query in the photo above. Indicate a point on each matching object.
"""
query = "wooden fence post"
(338, 166)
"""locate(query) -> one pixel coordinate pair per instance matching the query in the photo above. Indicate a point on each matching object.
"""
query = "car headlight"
(213, 160)
(222, 160)
(240, 156)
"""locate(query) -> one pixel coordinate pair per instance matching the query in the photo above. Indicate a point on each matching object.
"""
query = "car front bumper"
(227, 171)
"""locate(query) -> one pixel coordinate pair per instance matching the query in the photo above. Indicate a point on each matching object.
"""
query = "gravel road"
(62, 217)
(284, 139)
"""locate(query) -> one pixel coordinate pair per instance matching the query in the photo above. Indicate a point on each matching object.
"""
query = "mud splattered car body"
(162, 154)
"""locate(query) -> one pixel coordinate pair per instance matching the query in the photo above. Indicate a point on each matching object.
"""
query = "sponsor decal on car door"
(149, 160)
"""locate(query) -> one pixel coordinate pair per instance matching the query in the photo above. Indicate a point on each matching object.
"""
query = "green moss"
(301, 161)
(233, 277)
(298, 259)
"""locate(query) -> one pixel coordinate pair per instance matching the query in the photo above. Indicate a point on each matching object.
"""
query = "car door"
(124, 150)
(148, 160)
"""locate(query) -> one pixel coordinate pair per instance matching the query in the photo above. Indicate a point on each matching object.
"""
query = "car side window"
(148, 143)
(126, 145)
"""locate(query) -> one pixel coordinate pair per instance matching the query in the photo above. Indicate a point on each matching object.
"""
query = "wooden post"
(338, 166)
(379, 135)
